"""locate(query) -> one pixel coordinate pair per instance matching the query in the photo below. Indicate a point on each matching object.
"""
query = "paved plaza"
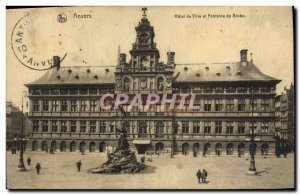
(226, 172)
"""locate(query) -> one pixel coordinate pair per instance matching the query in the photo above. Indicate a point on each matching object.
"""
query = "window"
(253, 103)
(229, 127)
(36, 105)
(265, 103)
(73, 126)
(54, 126)
(207, 105)
(207, 127)
(73, 105)
(264, 127)
(229, 105)
(159, 130)
(54, 105)
(63, 126)
(219, 105)
(241, 127)
(93, 91)
(253, 126)
(185, 126)
(35, 126)
(64, 105)
(45, 105)
(93, 126)
(142, 129)
(82, 126)
(93, 105)
(196, 127)
(83, 105)
(102, 126)
(218, 127)
(45, 126)
(112, 128)
(241, 105)
(82, 91)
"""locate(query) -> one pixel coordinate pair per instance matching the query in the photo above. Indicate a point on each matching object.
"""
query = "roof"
(77, 75)
(235, 71)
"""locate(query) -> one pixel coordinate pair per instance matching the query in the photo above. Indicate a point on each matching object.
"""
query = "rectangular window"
(185, 126)
(73, 91)
(64, 105)
(265, 104)
(54, 105)
(35, 126)
(93, 126)
(36, 106)
(63, 126)
(241, 105)
(264, 128)
(196, 127)
(218, 105)
(229, 105)
(207, 127)
(218, 127)
(45, 126)
(83, 105)
(102, 127)
(253, 127)
(82, 126)
(45, 105)
(241, 127)
(253, 103)
(112, 128)
(73, 126)
(93, 105)
(229, 127)
(93, 91)
(207, 105)
(73, 105)
(54, 126)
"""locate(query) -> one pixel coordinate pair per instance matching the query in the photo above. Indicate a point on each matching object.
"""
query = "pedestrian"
(28, 160)
(204, 176)
(199, 176)
(38, 168)
(78, 165)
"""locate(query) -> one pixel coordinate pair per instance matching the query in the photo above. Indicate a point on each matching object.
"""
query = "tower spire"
(144, 10)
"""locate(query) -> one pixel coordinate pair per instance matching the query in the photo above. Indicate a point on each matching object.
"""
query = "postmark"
(26, 52)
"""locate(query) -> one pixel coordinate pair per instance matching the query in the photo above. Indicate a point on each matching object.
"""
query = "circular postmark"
(25, 50)
(61, 18)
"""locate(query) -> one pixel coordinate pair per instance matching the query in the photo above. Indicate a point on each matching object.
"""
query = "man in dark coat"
(38, 168)
(199, 176)
(78, 165)
(204, 176)
(28, 160)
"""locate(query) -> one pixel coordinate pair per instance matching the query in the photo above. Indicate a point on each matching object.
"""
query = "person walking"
(38, 168)
(204, 176)
(28, 160)
(78, 165)
(199, 176)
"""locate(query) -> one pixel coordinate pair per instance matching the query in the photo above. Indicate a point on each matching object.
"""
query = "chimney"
(171, 58)
(244, 56)
(122, 58)
(56, 62)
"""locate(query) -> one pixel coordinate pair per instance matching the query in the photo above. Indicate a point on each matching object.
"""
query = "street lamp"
(252, 168)
(21, 164)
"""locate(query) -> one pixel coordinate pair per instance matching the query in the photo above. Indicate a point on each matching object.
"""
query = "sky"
(267, 32)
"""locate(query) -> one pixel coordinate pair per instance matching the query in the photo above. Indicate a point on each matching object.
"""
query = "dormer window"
(207, 68)
(228, 67)
(69, 71)
(238, 73)
(76, 76)
(197, 75)
(88, 70)
(106, 70)
(218, 74)
(95, 76)
(185, 68)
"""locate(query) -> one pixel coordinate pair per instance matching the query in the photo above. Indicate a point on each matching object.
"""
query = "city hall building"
(65, 112)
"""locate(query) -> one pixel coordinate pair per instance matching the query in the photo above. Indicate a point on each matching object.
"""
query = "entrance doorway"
(141, 148)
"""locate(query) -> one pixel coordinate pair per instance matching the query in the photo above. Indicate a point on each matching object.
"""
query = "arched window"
(126, 85)
(229, 149)
(241, 149)
(218, 149)
(264, 149)
(101, 146)
(159, 129)
(53, 145)
(44, 146)
(159, 147)
(185, 148)
(207, 147)
(142, 129)
(72, 146)
(126, 125)
(63, 146)
(160, 84)
(92, 147)
(34, 145)
(82, 146)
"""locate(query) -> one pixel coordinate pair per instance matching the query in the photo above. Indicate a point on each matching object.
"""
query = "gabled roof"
(235, 71)
(77, 75)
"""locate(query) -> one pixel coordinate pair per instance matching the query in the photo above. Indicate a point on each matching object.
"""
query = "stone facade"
(65, 112)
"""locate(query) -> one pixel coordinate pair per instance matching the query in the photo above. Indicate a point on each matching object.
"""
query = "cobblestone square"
(226, 172)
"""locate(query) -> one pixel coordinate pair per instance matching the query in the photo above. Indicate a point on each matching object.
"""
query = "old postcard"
(138, 98)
